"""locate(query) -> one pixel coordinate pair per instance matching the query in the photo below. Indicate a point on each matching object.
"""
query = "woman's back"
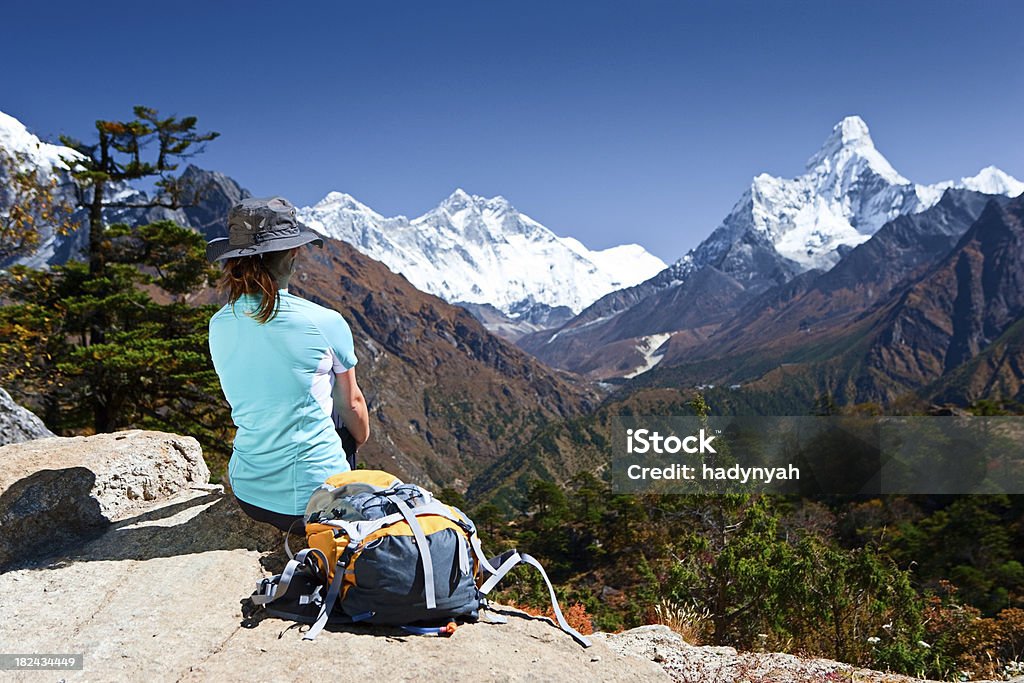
(278, 357)
(278, 377)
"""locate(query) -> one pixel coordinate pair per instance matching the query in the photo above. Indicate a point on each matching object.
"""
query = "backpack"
(388, 553)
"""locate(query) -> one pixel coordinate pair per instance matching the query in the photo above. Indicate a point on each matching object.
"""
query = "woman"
(286, 365)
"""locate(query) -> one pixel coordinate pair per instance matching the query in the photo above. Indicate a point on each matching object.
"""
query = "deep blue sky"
(610, 122)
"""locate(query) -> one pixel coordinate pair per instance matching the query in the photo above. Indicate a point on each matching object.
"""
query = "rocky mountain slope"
(778, 229)
(447, 398)
(815, 306)
(949, 329)
(997, 372)
(958, 307)
(211, 195)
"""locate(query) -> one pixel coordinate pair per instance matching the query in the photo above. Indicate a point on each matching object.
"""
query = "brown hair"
(257, 274)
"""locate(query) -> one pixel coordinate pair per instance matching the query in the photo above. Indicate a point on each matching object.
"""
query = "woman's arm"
(350, 404)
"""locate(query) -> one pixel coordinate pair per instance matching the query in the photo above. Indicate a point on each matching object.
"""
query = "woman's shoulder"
(296, 302)
(225, 312)
(315, 312)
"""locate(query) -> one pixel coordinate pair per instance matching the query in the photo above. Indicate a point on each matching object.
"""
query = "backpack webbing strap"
(481, 556)
(489, 616)
(357, 530)
(463, 556)
(325, 609)
(287, 548)
(421, 544)
(504, 563)
(577, 636)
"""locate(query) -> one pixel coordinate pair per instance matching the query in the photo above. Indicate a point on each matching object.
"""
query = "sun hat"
(260, 225)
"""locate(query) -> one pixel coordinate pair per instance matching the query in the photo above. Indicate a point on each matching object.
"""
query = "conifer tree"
(118, 156)
(151, 370)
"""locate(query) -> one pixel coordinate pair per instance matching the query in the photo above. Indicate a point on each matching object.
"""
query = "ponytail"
(257, 274)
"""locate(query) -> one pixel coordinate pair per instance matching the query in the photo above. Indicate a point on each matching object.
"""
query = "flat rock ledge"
(687, 663)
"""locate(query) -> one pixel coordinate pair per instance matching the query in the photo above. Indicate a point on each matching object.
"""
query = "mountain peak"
(992, 180)
(477, 250)
(852, 130)
(850, 134)
(460, 199)
(850, 141)
(341, 201)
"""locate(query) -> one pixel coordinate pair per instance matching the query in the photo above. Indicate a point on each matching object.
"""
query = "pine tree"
(117, 156)
(94, 346)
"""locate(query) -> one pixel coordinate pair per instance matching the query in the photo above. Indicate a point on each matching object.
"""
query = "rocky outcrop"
(164, 596)
(18, 424)
(208, 196)
(57, 491)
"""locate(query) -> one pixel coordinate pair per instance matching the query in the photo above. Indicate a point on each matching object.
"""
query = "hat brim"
(221, 248)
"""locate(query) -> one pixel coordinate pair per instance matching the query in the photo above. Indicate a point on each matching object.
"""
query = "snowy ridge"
(482, 250)
(15, 137)
(849, 190)
(990, 180)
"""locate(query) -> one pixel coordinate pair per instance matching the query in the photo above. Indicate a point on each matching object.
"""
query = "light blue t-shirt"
(278, 378)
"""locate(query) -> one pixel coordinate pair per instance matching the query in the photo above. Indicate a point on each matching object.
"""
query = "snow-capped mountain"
(469, 249)
(848, 191)
(482, 250)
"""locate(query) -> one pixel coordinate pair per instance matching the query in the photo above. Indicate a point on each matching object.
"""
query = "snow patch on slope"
(651, 348)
